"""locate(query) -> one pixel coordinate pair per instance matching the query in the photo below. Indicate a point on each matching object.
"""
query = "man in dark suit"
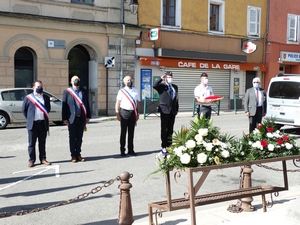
(255, 104)
(35, 108)
(75, 114)
(168, 107)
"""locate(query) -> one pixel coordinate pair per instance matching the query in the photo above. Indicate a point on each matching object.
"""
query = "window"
(90, 2)
(253, 21)
(284, 90)
(216, 16)
(293, 29)
(171, 13)
(24, 67)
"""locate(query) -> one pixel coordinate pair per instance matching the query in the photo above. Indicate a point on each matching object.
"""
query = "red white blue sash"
(131, 100)
(77, 99)
(38, 104)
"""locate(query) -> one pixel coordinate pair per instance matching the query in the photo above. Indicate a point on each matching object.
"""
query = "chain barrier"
(236, 208)
(275, 169)
(79, 197)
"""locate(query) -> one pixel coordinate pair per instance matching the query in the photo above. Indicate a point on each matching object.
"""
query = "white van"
(283, 99)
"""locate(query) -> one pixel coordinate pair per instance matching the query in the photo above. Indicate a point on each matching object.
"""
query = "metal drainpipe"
(121, 57)
(121, 43)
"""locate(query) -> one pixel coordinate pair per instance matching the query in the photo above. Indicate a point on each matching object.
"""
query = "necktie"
(257, 99)
(172, 94)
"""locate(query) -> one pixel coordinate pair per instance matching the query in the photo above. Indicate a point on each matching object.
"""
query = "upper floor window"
(253, 21)
(171, 13)
(293, 29)
(216, 16)
(90, 2)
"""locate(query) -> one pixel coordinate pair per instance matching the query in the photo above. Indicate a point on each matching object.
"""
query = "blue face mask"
(39, 90)
(255, 85)
(129, 84)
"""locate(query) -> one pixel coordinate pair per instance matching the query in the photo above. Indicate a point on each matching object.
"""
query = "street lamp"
(133, 9)
(133, 6)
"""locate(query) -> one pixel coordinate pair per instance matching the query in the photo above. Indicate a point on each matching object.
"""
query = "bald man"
(75, 114)
(127, 111)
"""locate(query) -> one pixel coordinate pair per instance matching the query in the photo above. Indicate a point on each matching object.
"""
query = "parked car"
(283, 99)
(11, 100)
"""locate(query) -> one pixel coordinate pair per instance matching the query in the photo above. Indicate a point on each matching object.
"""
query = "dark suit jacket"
(68, 106)
(250, 101)
(166, 104)
(28, 109)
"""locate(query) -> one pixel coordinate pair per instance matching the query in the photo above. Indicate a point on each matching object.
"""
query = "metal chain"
(79, 197)
(275, 169)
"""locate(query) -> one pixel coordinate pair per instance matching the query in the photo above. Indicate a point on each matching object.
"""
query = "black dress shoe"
(123, 154)
(132, 153)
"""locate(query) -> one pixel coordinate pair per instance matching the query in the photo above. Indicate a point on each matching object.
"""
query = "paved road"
(23, 188)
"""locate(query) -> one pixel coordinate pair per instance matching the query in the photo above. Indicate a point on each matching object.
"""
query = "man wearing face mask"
(201, 92)
(75, 114)
(36, 107)
(255, 104)
(127, 111)
(168, 107)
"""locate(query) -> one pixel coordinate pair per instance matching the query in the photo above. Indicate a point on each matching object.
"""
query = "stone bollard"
(246, 202)
(125, 211)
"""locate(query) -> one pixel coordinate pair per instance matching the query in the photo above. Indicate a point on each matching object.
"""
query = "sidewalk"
(285, 210)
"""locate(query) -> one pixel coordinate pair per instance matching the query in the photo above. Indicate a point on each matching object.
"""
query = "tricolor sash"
(38, 104)
(78, 100)
(131, 100)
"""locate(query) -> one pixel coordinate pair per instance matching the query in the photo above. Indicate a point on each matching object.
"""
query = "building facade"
(198, 36)
(52, 40)
(282, 46)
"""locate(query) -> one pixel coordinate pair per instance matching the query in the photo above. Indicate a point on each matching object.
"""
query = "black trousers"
(255, 120)
(206, 110)
(38, 132)
(167, 126)
(128, 122)
(75, 136)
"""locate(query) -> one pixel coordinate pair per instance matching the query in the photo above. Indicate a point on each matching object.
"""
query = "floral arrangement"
(202, 144)
(266, 141)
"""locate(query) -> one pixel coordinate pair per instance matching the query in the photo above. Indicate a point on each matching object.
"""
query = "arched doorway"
(24, 67)
(79, 64)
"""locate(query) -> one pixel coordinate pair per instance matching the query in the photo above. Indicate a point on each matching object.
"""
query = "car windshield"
(284, 90)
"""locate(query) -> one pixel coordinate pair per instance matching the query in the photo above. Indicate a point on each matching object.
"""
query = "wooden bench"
(192, 200)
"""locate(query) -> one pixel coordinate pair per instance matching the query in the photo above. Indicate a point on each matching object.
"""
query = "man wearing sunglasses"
(255, 104)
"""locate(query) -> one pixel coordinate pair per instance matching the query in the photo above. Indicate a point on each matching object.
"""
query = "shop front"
(226, 78)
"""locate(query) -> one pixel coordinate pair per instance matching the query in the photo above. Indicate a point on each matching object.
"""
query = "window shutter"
(293, 28)
(253, 21)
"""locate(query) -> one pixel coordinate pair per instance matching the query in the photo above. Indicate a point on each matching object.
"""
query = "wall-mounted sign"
(61, 44)
(154, 34)
(248, 47)
(290, 56)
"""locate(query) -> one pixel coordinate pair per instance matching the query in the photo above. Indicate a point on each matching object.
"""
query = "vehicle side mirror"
(53, 99)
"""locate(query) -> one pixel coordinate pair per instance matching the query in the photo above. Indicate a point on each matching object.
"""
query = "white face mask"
(169, 80)
(205, 81)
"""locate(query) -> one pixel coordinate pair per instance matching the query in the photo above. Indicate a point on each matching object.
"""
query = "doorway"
(79, 65)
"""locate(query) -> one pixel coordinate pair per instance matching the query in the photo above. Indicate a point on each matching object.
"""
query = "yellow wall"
(194, 15)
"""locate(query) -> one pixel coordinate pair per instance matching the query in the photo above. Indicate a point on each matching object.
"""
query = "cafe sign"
(208, 65)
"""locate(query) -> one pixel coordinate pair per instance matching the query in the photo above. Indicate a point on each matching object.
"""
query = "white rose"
(203, 131)
(225, 154)
(269, 135)
(178, 151)
(288, 146)
(190, 144)
(271, 147)
(209, 146)
(185, 158)
(201, 158)
(198, 138)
